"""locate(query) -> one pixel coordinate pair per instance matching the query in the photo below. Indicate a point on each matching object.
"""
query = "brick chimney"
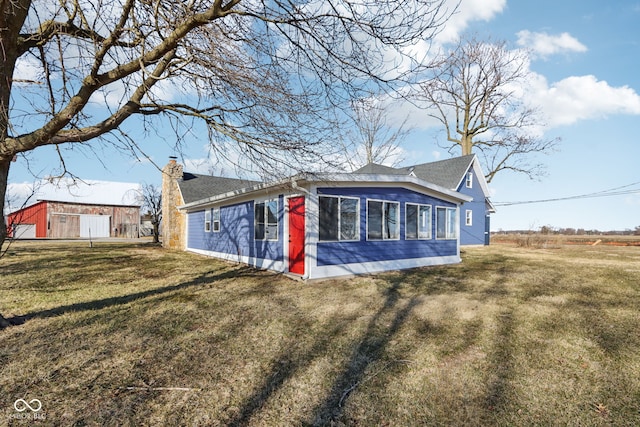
(173, 221)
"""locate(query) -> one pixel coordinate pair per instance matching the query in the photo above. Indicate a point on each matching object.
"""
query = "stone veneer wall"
(173, 221)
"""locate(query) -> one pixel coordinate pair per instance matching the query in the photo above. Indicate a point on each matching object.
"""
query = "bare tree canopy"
(476, 93)
(372, 139)
(150, 197)
(265, 76)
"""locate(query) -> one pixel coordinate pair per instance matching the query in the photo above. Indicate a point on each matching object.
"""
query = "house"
(180, 188)
(91, 209)
(464, 175)
(318, 225)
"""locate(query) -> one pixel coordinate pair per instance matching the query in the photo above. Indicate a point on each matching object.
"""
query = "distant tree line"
(550, 230)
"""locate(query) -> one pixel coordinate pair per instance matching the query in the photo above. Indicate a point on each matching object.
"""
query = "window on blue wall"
(383, 220)
(207, 220)
(339, 218)
(468, 217)
(446, 223)
(266, 220)
(215, 215)
(418, 221)
(469, 181)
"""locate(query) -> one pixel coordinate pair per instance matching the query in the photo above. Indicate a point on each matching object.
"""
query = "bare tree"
(372, 139)
(264, 76)
(151, 197)
(476, 93)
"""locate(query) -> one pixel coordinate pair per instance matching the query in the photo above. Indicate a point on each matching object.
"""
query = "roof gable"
(446, 173)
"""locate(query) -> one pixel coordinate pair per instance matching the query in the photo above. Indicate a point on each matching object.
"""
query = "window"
(468, 217)
(266, 220)
(339, 218)
(417, 221)
(446, 223)
(383, 220)
(207, 220)
(215, 214)
(469, 181)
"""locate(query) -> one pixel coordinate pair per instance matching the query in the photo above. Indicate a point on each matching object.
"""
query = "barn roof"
(88, 192)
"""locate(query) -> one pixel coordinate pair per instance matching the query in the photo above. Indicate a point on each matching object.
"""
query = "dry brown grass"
(136, 335)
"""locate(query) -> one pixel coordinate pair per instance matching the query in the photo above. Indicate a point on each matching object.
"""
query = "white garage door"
(24, 231)
(94, 226)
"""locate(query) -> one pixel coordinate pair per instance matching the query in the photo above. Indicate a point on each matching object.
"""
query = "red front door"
(296, 235)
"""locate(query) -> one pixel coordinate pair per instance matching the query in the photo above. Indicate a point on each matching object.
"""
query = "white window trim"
(266, 218)
(468, 217)
(469, 181)
(418, 205)
(357, 199)
(207, 222)
(447, 237)
(383, 219)
(214, 220)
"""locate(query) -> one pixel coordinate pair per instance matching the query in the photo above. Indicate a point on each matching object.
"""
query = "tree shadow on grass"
(370, 349)
(125, 299)
(501, 363)
(380, 330)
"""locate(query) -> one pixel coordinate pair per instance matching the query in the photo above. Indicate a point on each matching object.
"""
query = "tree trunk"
(4, 177)
(156, 232)
(12, 15)
(466, 143)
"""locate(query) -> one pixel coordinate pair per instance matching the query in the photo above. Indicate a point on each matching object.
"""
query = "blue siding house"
(463, 175)
(317, 226)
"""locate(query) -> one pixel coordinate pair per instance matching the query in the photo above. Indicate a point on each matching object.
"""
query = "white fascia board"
(472, 163)
(362, 179)
(477, 169)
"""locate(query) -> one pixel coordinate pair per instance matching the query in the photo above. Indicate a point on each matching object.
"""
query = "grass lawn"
(134, 335)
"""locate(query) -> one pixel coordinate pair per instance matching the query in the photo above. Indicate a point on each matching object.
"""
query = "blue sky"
(585, 79)
(599, 148)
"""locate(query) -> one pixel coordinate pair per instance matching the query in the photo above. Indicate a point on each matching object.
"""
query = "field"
(134, 335)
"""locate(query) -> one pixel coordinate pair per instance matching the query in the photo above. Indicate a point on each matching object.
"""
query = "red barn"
(67, 220)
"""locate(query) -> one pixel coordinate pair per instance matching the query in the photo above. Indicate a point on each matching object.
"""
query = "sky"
(584, 78)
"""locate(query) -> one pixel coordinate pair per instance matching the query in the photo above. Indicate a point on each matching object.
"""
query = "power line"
(604, 193)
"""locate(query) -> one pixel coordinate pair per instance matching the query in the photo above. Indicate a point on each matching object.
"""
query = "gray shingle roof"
(197, 187)
(445, 173)
(374, 168)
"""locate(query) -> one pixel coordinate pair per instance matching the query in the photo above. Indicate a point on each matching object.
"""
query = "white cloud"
(225, 161)
(410, 113)
(27, 70)
(467, 12)
(581, 98)
(544, 45)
